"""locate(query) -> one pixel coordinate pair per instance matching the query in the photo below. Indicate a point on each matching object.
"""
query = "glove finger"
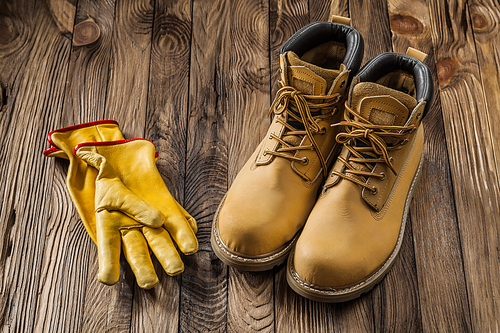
(108, 247)
(164, 249)
(181, 232)
(137, 254)
(192, 222)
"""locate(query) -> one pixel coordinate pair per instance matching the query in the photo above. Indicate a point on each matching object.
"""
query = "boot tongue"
(308, 78)
(382, 105)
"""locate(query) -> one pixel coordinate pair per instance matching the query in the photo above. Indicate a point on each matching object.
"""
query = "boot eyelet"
(383, 175)
(391, 159)
(323, 130)
(276, 119)
(342, 84)
(418, 115)
(305, 161)
(374, 190)
(271, 135)
(405, 141)
(265, 152)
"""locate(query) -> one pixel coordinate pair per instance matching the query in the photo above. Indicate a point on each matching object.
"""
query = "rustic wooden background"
(197, 77)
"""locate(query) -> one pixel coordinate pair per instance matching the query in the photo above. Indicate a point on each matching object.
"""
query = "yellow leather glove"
(127, 172)
(80, 179)
(81, 183)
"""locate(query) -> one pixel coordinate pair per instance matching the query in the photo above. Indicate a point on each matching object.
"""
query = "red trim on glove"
(108, 143)
(75, 127)
(51, 150)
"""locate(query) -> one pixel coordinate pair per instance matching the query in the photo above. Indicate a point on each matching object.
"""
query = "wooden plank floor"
(197, 78)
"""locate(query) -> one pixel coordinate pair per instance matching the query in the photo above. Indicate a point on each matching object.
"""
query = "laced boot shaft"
(355, 229)
(292, 107)
(368, 144)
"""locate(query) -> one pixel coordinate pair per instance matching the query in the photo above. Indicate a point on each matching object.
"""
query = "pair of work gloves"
(123, 201)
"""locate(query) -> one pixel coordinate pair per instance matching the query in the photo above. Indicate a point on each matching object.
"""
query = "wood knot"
(445, 69)
(7, 31)
(479, 21)
(405, 24)
(86, 32)
(172, 38)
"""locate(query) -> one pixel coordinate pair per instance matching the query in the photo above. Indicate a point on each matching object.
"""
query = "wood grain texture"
(469, 141)
(157, 310)
(88, 74)
(319, 10)
(371, 19)
(204, 282)
(485, 20)
(126, 99)
(442, 296)
(32, 39)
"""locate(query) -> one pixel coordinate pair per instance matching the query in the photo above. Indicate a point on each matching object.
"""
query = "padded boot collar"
(317, 33)
(388, 62)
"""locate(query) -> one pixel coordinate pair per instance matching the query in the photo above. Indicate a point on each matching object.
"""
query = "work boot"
(260, 217)
(356, 227)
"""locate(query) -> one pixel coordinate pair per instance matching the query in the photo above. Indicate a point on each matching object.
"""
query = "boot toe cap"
(323, 268)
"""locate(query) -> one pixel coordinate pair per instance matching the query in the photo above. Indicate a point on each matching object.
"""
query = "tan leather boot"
(356, 227)
(259, 219)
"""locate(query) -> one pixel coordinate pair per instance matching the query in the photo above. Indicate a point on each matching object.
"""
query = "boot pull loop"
(340, 19)
(416, 54)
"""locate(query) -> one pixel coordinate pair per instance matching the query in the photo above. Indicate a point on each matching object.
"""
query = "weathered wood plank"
(443, 297)
(471, 153)
(204, 282)
(157, 310)
(485, 17)
(126, 101)
(34, 60)
(319, 10)
(371, 20)
(85, 95)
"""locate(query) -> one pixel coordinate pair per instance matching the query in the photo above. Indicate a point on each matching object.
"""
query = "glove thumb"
(112, 195)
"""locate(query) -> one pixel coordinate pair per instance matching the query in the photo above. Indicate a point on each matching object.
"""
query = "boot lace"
(367, 144)
(300, 109)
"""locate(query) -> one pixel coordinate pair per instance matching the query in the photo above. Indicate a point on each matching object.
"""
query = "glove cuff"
(111, 143)
(76, 127)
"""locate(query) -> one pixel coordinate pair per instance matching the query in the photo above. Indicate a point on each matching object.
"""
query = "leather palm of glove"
(81, 183)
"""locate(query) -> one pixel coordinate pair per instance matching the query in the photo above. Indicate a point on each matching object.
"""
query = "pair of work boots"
(330, 185)
(123, 201)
